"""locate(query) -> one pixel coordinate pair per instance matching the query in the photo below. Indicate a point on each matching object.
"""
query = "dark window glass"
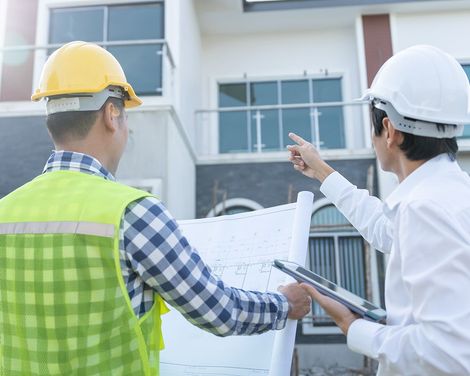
(130, 22)
(322, 257)
(263, 93)
(327, 90)
(233, 132)
(466, 131)
(235, 210)
(67, 25)
(232, 95)
(295, 120)
(295, 92)
(142, 65)
(339, 258)
(274, 132)
(269, 124)
(330, 118)
(466, 68)
(352, 265)
(298, 121)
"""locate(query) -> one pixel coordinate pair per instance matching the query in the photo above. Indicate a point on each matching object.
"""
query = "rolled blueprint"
(285, 340)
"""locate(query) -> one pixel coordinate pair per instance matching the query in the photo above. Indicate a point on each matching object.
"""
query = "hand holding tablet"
(355, 303)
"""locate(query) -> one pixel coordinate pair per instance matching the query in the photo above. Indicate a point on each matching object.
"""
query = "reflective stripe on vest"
(64, 307)
(83, 228)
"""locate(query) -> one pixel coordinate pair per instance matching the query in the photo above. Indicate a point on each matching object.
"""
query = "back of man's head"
(69, 126)
(417, 148)
(78, 81)
(425, 94)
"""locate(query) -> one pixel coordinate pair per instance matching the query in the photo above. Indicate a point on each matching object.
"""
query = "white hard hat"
(424, 85)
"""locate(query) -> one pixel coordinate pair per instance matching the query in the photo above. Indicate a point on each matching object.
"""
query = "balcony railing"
(259, 129)
(19, 54)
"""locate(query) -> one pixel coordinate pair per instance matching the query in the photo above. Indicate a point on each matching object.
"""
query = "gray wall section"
(267, 183)
(24, 148)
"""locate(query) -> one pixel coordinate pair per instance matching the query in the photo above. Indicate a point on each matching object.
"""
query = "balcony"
(261, 132)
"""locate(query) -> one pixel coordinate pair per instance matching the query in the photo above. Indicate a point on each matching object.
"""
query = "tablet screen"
(357, 300)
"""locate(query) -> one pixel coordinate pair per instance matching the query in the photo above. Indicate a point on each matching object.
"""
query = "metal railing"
(41, 54)
(209, 122)
(163, 42)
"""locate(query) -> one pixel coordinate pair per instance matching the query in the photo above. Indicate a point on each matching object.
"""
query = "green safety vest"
(64, 307)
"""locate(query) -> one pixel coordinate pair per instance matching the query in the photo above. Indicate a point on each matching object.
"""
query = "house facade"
(223, 82)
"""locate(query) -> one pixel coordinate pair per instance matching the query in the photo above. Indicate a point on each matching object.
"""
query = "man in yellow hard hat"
(86, 263)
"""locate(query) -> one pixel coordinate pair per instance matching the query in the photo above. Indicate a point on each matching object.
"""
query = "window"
(232, 206)
(235, 210)
(132, 29)
(336, 252)
(253, 130)
(466, 132)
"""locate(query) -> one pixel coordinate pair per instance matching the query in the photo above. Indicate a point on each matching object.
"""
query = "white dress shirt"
(425, 225)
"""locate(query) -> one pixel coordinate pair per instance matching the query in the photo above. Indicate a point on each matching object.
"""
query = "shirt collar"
(74, 161)
(442, 162)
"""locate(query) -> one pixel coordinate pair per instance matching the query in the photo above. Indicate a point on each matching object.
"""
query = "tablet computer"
(354, 302)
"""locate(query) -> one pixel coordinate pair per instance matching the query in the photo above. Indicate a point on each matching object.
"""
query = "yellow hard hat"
(80, 67)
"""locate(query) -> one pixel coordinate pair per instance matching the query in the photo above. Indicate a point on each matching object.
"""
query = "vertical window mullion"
(337, 261)
(310, 95)
(248, 114)
(105, 23)
(281, 124)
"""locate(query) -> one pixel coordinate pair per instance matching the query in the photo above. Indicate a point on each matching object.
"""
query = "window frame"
(278, 79)
(43, 32)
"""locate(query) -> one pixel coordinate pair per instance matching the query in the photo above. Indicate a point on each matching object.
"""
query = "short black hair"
(75, 125)
(417, 148)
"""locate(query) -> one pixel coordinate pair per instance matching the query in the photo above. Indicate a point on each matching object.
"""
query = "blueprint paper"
(240, 249)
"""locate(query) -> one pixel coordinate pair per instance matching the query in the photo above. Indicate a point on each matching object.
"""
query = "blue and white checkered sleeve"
(165, 260)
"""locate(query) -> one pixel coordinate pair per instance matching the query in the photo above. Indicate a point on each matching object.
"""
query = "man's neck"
(91, 151)
(405, 167)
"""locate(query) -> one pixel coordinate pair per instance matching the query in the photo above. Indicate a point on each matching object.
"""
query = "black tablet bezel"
(354, 302)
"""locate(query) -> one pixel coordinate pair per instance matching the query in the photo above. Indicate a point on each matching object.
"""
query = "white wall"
(446, 30)
(145, 154)
(156, 151)
(181, 175)
(284, 55)
(189, 72)
(183, 35)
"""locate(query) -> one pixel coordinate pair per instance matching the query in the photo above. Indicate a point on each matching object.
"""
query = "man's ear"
(111, 116)
(392, 136)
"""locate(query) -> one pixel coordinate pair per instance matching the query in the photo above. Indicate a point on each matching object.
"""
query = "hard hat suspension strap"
(83, 101)
(418, 127)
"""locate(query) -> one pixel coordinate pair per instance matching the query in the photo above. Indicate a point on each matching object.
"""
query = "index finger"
(299, 140)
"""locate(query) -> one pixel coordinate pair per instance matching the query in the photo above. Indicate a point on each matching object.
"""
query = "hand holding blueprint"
(240, 250)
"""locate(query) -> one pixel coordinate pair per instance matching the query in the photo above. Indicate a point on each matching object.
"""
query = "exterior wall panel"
(24, 148)
(17, 69)
(377, 43)
(267, 183)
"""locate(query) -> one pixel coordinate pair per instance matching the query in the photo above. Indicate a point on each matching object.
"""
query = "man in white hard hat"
(86, 263)
(419, 104)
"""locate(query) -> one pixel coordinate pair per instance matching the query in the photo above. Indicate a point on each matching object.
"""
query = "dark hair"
(76, 125)
(417, 148)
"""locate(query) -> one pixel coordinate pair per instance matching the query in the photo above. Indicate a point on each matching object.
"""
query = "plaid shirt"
(156, 257)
